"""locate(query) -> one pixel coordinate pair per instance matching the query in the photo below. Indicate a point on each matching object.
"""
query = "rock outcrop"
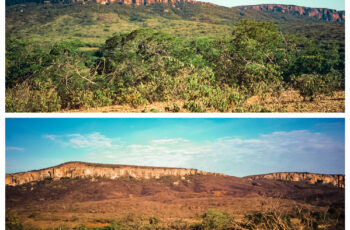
(310, 178)
(91, 170)
(316, 13)
(134, 2)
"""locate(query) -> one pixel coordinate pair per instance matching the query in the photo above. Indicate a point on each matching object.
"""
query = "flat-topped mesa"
(92, 170)
(310, 178)
(135, 2)
(316, 13)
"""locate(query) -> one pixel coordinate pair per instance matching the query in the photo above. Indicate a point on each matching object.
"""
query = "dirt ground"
(289, 101)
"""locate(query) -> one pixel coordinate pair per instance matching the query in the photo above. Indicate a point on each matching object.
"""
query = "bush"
(268, 220)
(311, 85)
(215, 219)
(252, 58)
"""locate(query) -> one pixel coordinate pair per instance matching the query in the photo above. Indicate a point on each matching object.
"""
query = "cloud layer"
(299, 150)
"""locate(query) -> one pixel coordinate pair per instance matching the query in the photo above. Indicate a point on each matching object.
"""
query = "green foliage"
(305, 57)
(23, 61)
(311, 85)
(252, 58)
(216, 219)
(146, 66)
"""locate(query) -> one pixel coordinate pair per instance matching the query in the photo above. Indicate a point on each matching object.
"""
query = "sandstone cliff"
(316, 13)
(134, 2)
(90, 170)
(311, 178)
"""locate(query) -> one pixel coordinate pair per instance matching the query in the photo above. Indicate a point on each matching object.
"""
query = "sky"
(332, 4)
(237, 147)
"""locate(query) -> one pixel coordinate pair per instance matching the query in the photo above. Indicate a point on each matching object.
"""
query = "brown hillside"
(96, 201)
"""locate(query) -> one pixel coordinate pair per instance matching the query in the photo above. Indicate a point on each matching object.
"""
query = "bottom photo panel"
(167, 173)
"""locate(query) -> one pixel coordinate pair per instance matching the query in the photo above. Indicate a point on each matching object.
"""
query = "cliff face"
(311, 178)
(87, 170)
(316, 13)
(135, 2)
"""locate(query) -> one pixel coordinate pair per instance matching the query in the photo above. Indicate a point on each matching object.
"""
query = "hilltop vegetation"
(85, 56)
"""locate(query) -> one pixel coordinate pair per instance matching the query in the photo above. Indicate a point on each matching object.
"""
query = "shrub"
(215, 219)
(268, 220)
(146, 66)
(311, 85)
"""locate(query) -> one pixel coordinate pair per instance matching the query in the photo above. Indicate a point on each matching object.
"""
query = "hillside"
(175, 201)
(74, 170)
(310, 178)
(316, 13)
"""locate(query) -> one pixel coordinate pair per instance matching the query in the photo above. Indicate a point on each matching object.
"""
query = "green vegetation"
(159, 54)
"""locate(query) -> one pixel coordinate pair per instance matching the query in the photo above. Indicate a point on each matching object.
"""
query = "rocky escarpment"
(316, 13)
(132, 2)
(310, 178)
(90, 170)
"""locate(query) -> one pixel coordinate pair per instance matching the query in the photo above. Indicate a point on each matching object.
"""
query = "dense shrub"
(146, 66)
(216, 219)
(311, 85)
(252, 57)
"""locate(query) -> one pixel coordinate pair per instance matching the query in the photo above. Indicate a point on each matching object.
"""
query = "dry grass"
(97, 204)
(289, 101)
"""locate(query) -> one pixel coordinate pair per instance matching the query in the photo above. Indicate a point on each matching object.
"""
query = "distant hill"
(310, 178)
(108, 2)
(315, 13)
(33, 16)
(319, 14)
(113, 171)
(87, 170)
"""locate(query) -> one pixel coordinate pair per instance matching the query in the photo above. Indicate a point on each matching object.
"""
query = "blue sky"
(332, 4)
(237, 147)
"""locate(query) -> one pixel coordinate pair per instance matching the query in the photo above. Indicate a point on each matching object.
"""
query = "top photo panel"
(172, 56)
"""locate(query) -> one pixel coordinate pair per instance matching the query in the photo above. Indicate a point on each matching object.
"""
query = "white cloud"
(14, 148)
(299, 150)
(80, 141)
(170, 141)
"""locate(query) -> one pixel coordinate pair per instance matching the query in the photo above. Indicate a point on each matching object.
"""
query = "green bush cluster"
(215, 219)
(146, 66)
